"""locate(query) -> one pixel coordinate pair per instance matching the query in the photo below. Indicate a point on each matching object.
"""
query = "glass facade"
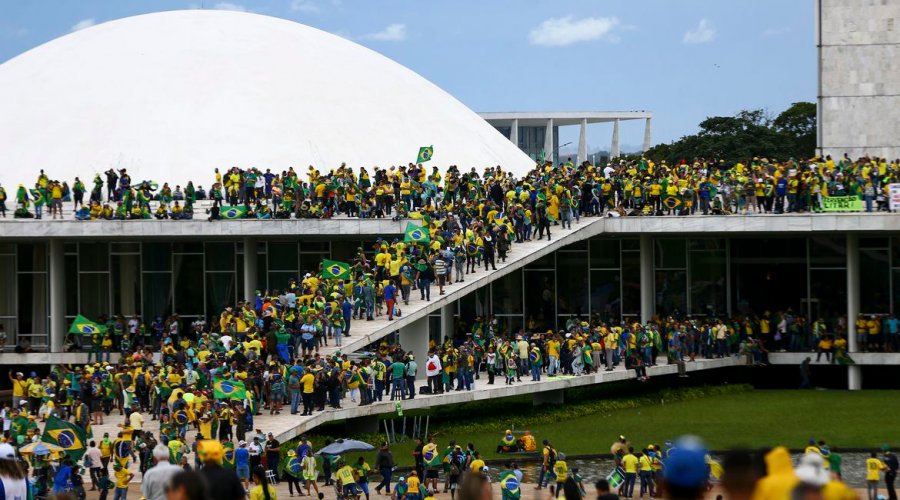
(598, 278)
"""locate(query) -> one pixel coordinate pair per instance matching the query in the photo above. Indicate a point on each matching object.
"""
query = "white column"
(514, 132)
(648, 135)
(57, 295)
(647, 297)
(414, 337)
(548, 141)
(447, 319)
(582, 142)
(854, 372)
(250, 270)
(614, 147)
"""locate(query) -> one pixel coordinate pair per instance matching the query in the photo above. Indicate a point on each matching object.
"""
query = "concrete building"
(859, 77)
(529, 130)
(615, 269)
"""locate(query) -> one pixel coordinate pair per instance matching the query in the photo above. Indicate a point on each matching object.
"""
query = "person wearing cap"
(242, 463)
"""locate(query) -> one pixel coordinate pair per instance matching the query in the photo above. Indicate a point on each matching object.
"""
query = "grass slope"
(751, 419)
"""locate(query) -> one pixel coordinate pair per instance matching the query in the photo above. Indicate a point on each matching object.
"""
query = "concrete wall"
(859, 77)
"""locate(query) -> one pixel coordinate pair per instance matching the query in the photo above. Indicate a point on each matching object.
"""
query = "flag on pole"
(425, 154)
(333, 269)
(233, 212)
(85, 326)
(229, 389)
(416, 234)
(66, 435)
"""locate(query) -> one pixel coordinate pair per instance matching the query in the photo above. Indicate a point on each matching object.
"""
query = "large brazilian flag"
(229, 389)
(416, 234)
(233, 212)
(430, 455)
(84, 326)
(333, 269)
(66, 435)
(228, 455)
(509, 485)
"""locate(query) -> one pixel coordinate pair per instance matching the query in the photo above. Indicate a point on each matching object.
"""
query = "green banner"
(841, 204)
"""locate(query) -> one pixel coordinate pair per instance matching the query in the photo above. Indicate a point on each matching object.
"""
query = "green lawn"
(752, 419)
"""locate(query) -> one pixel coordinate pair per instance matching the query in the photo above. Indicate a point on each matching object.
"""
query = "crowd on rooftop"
(636, 186)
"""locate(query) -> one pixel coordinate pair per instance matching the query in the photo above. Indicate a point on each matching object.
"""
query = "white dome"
(171, 95)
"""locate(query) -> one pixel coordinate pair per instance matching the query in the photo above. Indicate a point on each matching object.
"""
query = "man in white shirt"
(96, 460)
(157, 478)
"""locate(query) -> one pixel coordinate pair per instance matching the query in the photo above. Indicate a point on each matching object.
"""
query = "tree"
(799, 123)
(748, 134)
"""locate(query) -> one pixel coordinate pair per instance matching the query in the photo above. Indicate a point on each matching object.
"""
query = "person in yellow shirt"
(645, 464)
(19, 387)
(413, 486)
(561, 471)
(874, 466)
(308, 383)
(262, 489)
(123, 477)
(630, 464)
(345, 475)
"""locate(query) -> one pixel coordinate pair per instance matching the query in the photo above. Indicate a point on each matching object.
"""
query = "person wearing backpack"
(548, 461)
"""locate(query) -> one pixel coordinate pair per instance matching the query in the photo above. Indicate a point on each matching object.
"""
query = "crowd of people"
(625, 186)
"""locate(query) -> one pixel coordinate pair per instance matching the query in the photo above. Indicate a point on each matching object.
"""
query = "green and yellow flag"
(229, 389)
(228, 455)
(416, 234)
(333, 269)
(66, 435)
(425, 154)
(233, 212)
(85, 326)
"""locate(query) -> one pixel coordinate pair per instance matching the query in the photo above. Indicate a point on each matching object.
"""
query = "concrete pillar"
(250, 270)
(414, 337)
(514, 132)
(548, 141)
(57, 295)
(447, 321)
(854, 372)
(648, 135)
(647, 296)
(614, 147)
(582, 142)
(556, 397)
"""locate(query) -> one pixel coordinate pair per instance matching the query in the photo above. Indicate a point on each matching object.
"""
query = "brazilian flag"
(425, 154)
(228, 455)
(535, 357)
(229, 389)
(671, 202)
(66, 435)
(233, 212)
(122, 451)
(416, 234)
(85, 326)
(509, 485)
(293, 466)
(430, 455)
(181, 417)
(333, 269)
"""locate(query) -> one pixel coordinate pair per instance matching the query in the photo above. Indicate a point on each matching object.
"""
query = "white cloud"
(392, 33)
(84, 23)
(304, 6)
(562, 31)
(703, 33)
(230, 6)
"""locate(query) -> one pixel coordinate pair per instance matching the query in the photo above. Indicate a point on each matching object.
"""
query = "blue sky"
(683, 60)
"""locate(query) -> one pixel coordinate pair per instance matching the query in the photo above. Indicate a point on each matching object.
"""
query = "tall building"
(859, 77)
